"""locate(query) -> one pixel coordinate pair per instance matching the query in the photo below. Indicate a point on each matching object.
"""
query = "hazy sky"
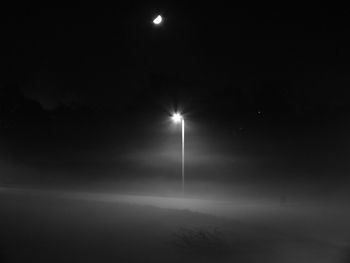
(88, 90)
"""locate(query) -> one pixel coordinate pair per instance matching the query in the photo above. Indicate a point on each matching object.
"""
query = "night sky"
(86, 93)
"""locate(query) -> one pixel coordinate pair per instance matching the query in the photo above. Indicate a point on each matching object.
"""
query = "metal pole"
(183, 156)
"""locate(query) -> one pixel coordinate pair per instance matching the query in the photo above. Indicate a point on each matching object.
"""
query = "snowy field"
(57, 226)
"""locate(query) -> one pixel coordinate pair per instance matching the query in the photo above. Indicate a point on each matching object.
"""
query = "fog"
(91, 162)
(69, 226)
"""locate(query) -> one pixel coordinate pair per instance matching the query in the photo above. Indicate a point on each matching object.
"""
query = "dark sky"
(86, 91)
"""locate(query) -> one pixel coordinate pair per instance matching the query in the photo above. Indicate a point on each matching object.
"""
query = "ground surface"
(55, 226)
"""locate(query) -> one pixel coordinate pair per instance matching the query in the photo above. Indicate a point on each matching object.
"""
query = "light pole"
(177, 118)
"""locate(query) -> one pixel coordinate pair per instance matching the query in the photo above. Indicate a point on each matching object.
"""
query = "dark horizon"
(86, 93)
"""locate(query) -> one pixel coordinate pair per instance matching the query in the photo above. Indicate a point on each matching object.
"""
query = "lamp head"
(176, 117)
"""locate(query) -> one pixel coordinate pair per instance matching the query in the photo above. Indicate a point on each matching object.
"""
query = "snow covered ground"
(60, 226)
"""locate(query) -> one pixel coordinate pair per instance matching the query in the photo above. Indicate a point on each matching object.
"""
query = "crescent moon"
(158, 20)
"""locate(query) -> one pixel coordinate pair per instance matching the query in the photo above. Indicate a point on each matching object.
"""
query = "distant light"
(177, 117)
(158, 20)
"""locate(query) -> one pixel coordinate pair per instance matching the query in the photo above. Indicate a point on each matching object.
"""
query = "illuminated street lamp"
(178, 118)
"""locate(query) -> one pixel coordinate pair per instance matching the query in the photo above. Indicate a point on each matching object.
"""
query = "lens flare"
(177, 117)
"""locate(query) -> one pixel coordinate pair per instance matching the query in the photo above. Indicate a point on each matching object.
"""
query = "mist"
(95, 168)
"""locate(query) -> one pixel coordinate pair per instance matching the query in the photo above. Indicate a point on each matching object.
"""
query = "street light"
(177, 118)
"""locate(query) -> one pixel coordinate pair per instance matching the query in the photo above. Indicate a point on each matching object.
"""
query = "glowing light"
(177, 117)
(158, 20)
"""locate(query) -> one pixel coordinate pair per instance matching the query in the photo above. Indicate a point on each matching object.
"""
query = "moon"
(158, 20)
